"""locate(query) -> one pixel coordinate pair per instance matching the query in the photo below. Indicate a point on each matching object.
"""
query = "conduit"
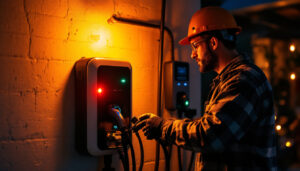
(162, 28)
(159, 106)
(115, 18)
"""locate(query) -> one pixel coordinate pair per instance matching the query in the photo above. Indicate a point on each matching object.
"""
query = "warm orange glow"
(292, 47)
(293, 76)
(275, 117)
(111, 20)
(95, 37)
(98, 39)
(99, 90)
(288, 144)
(266, 64)
(278, 127)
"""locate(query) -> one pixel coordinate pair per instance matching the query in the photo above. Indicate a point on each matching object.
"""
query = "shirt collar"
(234, 62)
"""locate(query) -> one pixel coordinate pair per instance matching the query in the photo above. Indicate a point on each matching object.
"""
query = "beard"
(208, 63)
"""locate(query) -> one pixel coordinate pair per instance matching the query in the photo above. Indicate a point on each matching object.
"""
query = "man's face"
(201, 53)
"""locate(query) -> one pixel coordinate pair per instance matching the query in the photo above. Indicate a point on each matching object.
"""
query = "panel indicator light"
(99, 90)
(186, 103)
(123, 80)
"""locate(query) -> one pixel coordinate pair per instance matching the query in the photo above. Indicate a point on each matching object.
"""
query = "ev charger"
(101, 85)
(176, 85)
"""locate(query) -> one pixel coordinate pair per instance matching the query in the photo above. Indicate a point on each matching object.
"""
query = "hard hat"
(210, 19)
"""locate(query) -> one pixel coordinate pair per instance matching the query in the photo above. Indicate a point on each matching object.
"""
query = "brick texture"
(40, 41)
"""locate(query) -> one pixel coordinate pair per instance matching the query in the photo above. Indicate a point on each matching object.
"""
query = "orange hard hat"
(210, 19)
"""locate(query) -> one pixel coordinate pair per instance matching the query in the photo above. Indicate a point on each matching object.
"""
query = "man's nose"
(194, 54)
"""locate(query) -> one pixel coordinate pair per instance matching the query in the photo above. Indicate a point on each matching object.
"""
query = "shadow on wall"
(67, 157)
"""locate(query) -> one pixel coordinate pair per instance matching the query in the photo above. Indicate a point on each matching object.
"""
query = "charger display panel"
(115, 85)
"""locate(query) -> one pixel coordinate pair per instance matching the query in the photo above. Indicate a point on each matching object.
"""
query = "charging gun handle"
(118, 116)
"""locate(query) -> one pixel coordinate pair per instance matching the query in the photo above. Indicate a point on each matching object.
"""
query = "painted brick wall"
(40, 41)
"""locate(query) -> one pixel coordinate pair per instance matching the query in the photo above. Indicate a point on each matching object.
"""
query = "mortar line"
(29, 28)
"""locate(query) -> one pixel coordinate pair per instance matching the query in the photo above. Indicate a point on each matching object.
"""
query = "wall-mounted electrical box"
(176, 85)
(101, 84)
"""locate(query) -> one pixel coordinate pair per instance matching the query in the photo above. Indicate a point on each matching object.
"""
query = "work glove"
(150, 124)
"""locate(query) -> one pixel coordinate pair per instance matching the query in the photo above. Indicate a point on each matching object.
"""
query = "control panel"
(176, 85)
(102, 86)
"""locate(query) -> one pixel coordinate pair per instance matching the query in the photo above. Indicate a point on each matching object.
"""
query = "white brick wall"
(40, 41)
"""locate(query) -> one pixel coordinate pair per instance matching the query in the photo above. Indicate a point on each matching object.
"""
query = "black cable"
(179, 113)
(107, 163)
(179, 158)
(191, 161)
(122, 158)
(170, 151)
(126, 160)
(167, 156)
(162, 28)
(124, 144)
(134, 120)
(141, 150)
(132, 156)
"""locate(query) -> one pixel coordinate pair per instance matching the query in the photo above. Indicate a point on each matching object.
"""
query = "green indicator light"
(186, 103)
(123, 80)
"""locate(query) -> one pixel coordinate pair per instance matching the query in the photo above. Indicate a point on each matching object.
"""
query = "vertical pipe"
(162, 25)
(159, 106)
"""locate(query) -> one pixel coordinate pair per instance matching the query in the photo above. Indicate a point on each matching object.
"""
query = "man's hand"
(151, 125)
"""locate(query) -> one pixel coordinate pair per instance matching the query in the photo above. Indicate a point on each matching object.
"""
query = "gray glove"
(151, 125)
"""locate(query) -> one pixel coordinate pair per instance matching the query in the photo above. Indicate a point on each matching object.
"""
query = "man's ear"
(214, 43)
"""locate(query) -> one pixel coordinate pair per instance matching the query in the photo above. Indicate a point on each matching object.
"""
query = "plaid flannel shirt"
(236, 131)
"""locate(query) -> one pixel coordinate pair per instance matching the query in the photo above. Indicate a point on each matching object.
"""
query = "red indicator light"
(99, 90)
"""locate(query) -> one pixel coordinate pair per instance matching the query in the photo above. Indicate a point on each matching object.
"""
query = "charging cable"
(134, 120)
(126, 141)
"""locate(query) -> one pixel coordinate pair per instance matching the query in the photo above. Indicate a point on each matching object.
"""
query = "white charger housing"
(101, 84)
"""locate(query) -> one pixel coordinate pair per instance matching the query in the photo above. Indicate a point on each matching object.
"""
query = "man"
(236, 131)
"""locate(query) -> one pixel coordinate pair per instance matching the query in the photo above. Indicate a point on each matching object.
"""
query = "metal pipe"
(159, 106)
(162, 28)
(115, 18)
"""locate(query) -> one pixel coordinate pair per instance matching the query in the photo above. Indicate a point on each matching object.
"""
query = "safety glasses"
(196, 44)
